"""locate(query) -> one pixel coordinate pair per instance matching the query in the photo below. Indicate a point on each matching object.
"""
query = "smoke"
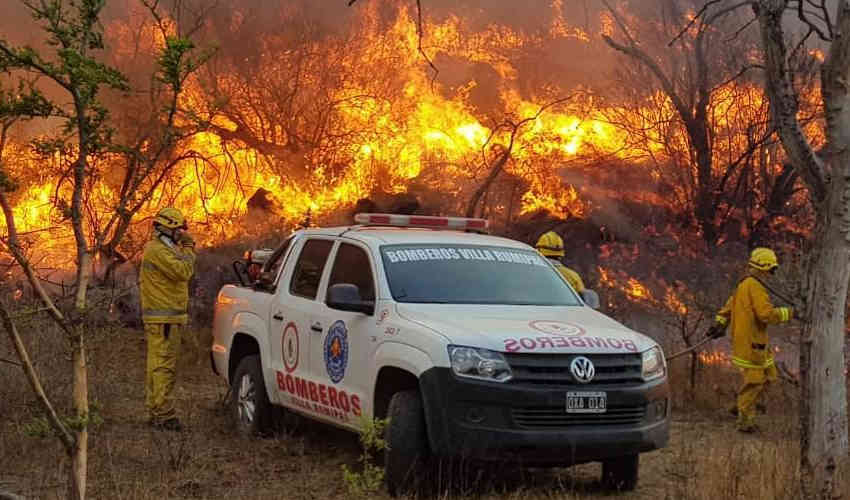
(236, 28)
(565, 61)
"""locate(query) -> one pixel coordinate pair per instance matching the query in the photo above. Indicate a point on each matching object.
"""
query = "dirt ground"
(706, 457)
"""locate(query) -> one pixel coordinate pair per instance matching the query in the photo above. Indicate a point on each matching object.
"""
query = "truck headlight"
(653, 364)
(481, 364)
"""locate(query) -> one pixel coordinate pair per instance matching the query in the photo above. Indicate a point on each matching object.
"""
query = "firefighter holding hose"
(748, 312)
(168, 263)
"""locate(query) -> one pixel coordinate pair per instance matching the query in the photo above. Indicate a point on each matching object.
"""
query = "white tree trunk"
(79, 460)
(823, 411)
(823, 408)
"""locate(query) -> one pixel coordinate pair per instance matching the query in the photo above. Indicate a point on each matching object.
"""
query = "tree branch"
(839, 51)
(643, 57)
(15, 249)
(737, 75)
(709, 20)
(65, 436)
(784, 105)
(692, 22)
(740, 30)
(505, 155)
(801, 15)
(421, 34)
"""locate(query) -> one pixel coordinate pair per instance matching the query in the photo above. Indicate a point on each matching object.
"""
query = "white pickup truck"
(473, 345)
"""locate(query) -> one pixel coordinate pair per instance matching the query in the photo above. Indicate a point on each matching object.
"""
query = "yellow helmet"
(551, 245)
(763, 259)
(170, 218)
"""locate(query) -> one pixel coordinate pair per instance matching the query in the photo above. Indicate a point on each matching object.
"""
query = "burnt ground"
(706, 457)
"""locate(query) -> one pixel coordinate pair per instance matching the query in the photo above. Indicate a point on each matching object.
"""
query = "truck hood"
(527, 329)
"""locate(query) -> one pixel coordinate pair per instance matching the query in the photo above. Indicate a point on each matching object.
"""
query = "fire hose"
(691, 348)
(709, 339)
(784, 373)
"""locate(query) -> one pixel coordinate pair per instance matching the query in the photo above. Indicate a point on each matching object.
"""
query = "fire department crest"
(289, 347)
(336, 351)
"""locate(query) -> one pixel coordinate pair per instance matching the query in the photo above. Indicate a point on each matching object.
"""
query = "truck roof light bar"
(398, 220)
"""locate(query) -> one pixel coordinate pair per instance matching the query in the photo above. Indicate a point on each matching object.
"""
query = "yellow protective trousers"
(753, 383)
(163, 341)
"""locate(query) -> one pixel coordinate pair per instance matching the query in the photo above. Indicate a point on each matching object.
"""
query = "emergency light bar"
(459, 223)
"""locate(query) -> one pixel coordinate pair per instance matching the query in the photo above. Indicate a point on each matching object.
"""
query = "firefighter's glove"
(716, 331)
(186, 240)
(786, 313)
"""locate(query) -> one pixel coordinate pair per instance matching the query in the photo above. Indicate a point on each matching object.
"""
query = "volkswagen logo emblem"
(582, 369)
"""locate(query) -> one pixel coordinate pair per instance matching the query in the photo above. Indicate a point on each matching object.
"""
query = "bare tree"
(702, 125)
(146, 152)
(74, 31)
(300, 105)
(826, 173)
(504, 152)
(824, 399)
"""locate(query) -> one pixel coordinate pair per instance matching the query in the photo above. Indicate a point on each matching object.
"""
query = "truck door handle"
(278, 316)
(316, 327)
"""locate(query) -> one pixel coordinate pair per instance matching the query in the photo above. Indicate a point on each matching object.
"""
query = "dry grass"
(706, 458)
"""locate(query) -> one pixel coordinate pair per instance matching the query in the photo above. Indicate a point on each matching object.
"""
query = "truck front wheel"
(408, 453)
(249, 402)
(621, 474)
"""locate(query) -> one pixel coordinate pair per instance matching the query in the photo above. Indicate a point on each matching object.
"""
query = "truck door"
(340, 355)
(293, 324)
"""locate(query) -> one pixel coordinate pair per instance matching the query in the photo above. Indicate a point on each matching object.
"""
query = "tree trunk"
(79, 459)
(823, 409)
(494, 172)
(32, 377)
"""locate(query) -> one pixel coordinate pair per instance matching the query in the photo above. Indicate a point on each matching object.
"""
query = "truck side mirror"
(266, 280)
(267, 277)
(590, 298)
(346, 297)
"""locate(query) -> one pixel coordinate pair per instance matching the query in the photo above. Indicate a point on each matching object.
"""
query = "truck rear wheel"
(249, 402)
(408, 454)
(621, 474)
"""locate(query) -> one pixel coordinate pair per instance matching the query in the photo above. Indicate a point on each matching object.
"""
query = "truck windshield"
(473, 274)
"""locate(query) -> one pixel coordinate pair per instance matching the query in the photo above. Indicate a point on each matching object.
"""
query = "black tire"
(408, 454)
(621, 474)
(248, 389)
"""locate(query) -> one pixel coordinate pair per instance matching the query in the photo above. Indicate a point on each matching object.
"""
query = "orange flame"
(425, 133)
(715, 358)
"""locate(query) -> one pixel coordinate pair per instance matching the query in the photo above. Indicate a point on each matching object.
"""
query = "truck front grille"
(554, 369)
(558, 418)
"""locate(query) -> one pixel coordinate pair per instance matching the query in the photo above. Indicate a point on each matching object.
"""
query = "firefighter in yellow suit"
(748, 312)
(552, 247)
(168, 263)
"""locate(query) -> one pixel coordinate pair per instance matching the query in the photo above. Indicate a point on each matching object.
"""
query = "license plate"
(587, 402)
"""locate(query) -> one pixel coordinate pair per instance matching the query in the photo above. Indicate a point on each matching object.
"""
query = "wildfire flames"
(413, 134)
(637, 292)
(718, 358)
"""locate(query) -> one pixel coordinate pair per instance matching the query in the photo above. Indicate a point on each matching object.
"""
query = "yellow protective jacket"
(572, 277)
(750, 311)
(164, 281)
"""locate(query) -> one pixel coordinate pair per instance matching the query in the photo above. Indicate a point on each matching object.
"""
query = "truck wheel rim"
(246, 404)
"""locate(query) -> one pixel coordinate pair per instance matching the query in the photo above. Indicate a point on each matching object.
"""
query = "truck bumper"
(529, 424)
